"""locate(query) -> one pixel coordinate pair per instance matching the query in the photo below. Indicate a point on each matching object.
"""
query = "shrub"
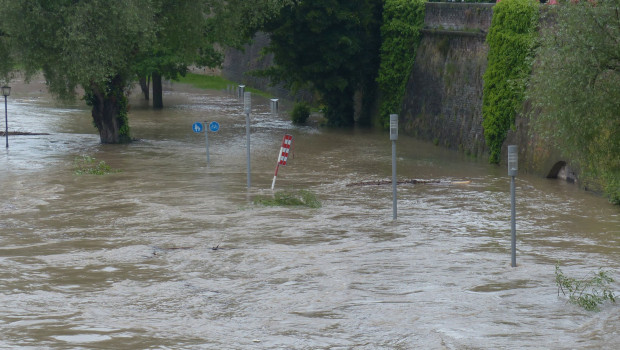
(300, 113)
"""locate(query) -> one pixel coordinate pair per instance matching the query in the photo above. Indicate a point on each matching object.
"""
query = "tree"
(575, 88)
(182, 37)
(89, 44)
(100, 46)
(331, 46)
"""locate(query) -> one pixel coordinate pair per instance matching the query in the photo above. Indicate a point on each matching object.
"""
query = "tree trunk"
(109, 111)
(340, 107)
(144, 85)
(158, 100)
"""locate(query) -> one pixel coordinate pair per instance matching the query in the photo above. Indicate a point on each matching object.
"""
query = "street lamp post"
(6, 91)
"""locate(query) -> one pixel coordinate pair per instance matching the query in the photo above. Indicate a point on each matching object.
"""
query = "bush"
(301, 112)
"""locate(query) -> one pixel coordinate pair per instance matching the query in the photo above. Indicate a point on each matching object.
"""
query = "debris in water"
(409, 181)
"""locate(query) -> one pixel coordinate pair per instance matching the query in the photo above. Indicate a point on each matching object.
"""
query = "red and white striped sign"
(285, 149)
(287, 141)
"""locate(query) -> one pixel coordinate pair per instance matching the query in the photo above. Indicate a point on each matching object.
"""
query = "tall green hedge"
(400, 35)
(511, 41)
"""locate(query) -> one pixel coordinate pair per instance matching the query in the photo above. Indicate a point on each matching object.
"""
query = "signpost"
(274, 106)
(240, 91)
(247, 106)
(393, 138)
(513, 165)
(199, 127)
(285, 149)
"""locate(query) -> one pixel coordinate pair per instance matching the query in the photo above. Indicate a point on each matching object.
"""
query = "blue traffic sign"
(197, 127)
(214, 126)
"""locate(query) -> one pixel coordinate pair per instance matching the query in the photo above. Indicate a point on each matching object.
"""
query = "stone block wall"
(239, 63)
(458, 16)
(443, 100)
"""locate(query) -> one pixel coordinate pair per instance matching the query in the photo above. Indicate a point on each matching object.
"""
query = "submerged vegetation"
(588, 293)
(286, 198)
(88, 165)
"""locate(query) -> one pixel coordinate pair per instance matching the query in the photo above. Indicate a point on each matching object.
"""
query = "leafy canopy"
(76, 43)
(330, 46)
(575, 88)
(81, 42)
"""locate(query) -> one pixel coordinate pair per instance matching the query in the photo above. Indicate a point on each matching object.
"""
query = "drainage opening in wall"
(563, 172)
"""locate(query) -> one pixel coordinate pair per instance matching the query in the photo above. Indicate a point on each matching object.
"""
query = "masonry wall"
(238, 65)
(443, 101)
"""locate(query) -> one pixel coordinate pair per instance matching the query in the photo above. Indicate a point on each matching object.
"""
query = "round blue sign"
(197, 127)
(214, 126)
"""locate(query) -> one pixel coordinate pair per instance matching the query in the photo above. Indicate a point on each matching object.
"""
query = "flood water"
(126, 260)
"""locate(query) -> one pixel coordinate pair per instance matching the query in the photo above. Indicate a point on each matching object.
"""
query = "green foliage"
(400, 35)
(330, 46)
(284, 198)
(467, 1)
(90, 44)
(201, 81)
(588, 293)
(213, 82)
(300, 113)
(511, 42)
(76, 43)
(575, 89)
(87, 165)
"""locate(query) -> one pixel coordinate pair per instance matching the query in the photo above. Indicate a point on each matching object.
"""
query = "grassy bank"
(214, 82)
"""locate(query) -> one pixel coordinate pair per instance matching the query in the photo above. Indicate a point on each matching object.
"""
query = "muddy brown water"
(125, 260)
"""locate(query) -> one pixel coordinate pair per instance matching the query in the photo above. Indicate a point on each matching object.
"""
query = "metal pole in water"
(394, 137)
(6, 124)
(513, 224)
(247, 103)
(207, 140)
(513, 165)
(6, 91)
(394, 202)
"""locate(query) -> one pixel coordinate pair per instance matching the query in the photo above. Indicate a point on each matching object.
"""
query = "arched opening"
(555, 170)
(561, 171)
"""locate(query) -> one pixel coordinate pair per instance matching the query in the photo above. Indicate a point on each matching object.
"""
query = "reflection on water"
(126, 260)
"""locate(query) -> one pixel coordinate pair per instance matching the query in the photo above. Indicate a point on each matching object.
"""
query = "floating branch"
(22, 133)
(409, 181)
